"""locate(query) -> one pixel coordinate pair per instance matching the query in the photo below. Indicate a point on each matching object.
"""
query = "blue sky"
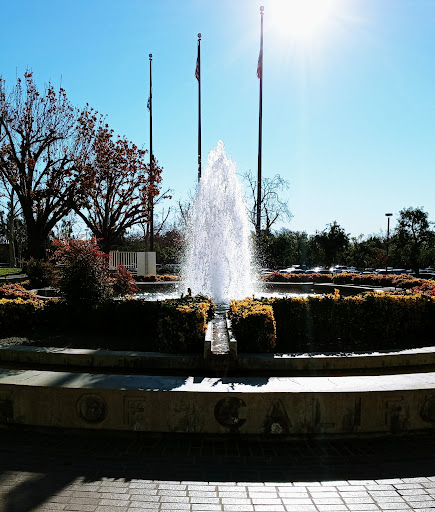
(348, 114)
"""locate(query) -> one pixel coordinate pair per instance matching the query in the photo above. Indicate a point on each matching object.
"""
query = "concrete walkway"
(48, 472)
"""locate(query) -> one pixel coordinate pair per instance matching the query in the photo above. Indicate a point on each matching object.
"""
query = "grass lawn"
(7, 271)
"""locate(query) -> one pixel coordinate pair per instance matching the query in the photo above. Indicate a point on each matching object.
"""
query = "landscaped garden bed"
(96, 310)
(331, 323)
(403, 281)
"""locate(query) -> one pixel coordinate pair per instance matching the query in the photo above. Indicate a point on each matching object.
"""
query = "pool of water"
(155, 296)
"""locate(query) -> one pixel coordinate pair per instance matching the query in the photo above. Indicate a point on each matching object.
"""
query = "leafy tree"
(366, 252)
(329, 245)
(413, 237)
(285, 248)
(169, 246)
(117, 181)
(38, 151)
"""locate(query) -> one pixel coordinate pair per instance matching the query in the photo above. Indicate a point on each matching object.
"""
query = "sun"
(302, 20)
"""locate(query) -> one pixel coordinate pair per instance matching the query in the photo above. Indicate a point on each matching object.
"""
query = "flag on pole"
(149, 104)
(197, 69)
(260, 64)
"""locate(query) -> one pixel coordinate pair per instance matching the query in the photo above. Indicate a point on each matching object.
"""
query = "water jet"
(219, 259)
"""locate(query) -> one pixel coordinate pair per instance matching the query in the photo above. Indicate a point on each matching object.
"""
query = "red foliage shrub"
(152, 278)
(84, 275)
(123, 282)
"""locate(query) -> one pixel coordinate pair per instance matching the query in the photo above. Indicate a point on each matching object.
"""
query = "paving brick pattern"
(48, 472)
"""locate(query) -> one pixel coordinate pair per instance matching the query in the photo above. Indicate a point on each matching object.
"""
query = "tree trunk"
(36, 245)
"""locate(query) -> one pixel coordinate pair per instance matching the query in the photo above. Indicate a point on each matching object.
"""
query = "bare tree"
(160, 219)
(273, 206)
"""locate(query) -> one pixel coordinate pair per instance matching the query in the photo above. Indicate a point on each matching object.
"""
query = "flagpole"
(150, 197)
(198, 76)
(260, 126)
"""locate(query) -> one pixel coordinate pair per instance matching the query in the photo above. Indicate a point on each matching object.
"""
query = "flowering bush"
(16, 291)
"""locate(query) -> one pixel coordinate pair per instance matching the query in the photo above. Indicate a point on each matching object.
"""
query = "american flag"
(259, 65)
(197, 69)
(149, 104)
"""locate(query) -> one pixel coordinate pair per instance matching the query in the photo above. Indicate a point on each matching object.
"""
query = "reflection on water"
(282, 295)
(155, 296)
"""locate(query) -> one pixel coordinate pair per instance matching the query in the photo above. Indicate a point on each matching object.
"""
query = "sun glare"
(303, 20)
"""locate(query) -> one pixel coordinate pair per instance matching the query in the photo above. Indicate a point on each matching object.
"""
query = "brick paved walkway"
(94, 473)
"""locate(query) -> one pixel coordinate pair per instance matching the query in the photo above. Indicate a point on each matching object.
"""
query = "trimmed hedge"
(18, 316)
(176, 325)
(253, 325)
(331, 323)
(278, 277)
(403, 281)
(182, 325)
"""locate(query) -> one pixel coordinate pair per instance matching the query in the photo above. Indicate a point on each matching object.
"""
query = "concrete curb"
(401, 361)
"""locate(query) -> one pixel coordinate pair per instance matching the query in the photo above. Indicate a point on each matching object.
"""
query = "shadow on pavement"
(34, 465)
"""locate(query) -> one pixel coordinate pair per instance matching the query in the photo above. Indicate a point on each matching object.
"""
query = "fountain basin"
(297, 406)
(288, 394)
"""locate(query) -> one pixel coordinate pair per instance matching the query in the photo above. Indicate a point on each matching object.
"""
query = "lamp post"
(388, 215)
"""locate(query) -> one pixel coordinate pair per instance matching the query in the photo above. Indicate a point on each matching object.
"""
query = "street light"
(388, 215)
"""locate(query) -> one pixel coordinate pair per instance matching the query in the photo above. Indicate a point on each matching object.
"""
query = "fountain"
(219, 261)
(288, 394)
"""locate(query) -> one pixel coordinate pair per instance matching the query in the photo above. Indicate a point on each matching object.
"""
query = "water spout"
(219, 258)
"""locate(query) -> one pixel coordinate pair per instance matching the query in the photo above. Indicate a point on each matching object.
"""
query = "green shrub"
(183, 323)
(40, 273)
(331, 323)
(177, 325)
(363, 322)
(253, 325)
